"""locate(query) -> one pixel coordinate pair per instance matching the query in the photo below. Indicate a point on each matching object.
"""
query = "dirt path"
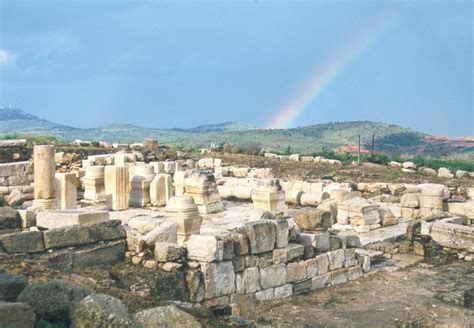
(415, 297)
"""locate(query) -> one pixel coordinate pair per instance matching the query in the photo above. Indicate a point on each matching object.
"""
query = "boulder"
(445, 173)
(10, 287)
(97, 311)
(462, 174)
(9, 219)
(165, 316)
(54, 300)
(409, 165)
(16, 315)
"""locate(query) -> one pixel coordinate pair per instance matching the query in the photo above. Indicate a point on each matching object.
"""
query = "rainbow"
(323, 77)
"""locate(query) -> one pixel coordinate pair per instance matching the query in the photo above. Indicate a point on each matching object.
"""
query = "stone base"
(63, 218)
(211, 208)
(47, 204)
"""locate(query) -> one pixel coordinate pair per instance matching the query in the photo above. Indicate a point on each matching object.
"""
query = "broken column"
(161, 189)
(140, 185)
(44, 176)
(183, 211)
(431, 198)
(93, 181)
(203, 188)
(116, 187)
(66, 190)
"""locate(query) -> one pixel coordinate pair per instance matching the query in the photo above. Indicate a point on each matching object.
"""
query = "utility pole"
(372, 150)
(358, 153)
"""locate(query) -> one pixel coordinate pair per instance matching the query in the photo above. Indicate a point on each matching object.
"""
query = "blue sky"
(181, 64)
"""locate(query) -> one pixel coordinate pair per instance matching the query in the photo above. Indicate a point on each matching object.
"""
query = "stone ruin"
(233, 231)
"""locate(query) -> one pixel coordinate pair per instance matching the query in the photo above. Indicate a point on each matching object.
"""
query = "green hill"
(389, 138)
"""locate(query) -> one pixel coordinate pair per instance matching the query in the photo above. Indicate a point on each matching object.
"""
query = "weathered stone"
(116, 182)
(93, 182)
(63, 218)
(283, 291)
(241, 245)
(66, 190)
(265, 295)
(321, 281)
(194, 285)
(168, 252)
(165, 232)
(323, 263)
(99, 254)
(250, 278)
(100, 310)
(296, 271)
(22, 242)
(75, 235)
(355, 273)
(9, 219)
(10, 287)
(161, 189)
(453, 236)
(44, 173)
(16, 315)
(302, 286)
(411, 200)
(166, 317)
(339, 276)
(313, 219)
(53, 300)
(183, 211)
(205, 248)
(282, 231)
(336, 259)
(261, 235)
(319, 240)
(219, 279)
(106, 230)
(273, 276)
(445, 173)
(27, 218)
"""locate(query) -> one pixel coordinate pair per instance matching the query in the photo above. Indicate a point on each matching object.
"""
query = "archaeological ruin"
(234, 234)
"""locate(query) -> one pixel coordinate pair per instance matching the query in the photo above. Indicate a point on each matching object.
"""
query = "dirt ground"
(420, 296)
(367, 172)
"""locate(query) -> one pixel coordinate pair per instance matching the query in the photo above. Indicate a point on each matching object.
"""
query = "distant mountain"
(14, 120)
(389, 138)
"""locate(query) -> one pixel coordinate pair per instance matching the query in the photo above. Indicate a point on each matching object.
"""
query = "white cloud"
(5, 57)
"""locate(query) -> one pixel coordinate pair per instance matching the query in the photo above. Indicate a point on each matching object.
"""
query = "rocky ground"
(367, 172)
(418, 296)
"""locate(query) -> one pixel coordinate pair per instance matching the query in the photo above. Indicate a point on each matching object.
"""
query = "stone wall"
(64, 248)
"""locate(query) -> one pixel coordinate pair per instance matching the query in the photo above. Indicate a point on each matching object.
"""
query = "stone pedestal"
(116, 187)
(269, 199)
(140, 185)
(66, 190)
(93, 181)
(161, 189)
(179, 186)
(203, 188)
(44, 176)
(183, 211)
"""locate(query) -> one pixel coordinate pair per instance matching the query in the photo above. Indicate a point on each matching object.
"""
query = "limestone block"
(293, 197)
(63, 218)
(268, 199)
(435, 202)
(294, 158)
(74, 235)
(288, 253)
(354, 273)
(386, 217)
(161, 189)
(282, 232)
(296, 271)
(321, 281)
(319, 240)
(94, 185)
(66, 190)
(261, 235)
(283, 291)
(312, 219)
(336, 259)
(251, 279)
(453, 236)
(265, 295)
(311, 267)
(219, 279)
(205, 248)
(22, 242)
(140, 192)
(165, 232)
(273, 276)
(411, 200)
(302, 286)
(168, 252)
(339, 276)
(108, 252)
(241, 245)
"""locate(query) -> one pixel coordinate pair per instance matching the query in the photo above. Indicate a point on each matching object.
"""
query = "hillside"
(389, 138)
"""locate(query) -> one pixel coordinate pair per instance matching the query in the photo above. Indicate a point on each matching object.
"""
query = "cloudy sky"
(272, 64)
